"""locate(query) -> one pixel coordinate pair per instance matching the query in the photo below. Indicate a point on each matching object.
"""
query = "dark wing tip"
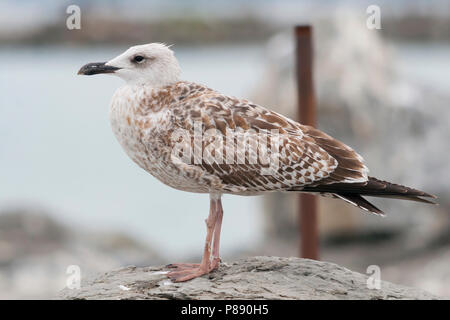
(360, 202)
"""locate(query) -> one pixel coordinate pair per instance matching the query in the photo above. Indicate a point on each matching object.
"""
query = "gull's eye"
(138, 59)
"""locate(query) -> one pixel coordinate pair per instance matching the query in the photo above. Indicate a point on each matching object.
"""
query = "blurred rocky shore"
(36, 251)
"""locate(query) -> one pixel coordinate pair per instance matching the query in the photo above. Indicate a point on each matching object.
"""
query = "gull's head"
(152, 64)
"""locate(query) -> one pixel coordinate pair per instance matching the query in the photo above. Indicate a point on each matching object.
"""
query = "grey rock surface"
(251, 278)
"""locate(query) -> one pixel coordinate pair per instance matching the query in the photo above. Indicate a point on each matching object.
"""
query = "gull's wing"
(301, 155)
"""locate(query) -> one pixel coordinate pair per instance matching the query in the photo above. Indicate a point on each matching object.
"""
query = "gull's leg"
(216, 244)
(189, 271)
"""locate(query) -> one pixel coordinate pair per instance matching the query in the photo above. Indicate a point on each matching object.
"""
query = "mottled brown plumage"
(309, 159)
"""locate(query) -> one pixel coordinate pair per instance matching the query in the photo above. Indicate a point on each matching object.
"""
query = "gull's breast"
(144, 136)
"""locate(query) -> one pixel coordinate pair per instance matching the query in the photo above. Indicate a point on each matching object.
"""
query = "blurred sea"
(57, 150)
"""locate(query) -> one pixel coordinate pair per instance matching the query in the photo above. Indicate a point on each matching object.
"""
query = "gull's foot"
(189, 271)
(186, 274)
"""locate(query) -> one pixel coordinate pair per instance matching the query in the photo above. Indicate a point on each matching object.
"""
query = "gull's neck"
(150, 83)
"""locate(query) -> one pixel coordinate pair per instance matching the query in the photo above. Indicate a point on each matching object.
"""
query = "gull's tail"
(353, 192)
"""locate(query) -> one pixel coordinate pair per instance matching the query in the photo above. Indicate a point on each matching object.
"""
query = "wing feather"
(306, 156)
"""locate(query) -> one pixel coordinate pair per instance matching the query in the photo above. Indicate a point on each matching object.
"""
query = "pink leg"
(216, 245)
(186, 271)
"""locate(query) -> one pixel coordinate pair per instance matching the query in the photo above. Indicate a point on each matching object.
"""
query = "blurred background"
(70, 196)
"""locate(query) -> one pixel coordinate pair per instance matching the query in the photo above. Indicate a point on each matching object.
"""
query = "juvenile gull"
(165, 124)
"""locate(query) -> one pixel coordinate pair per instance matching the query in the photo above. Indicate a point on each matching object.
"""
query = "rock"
(251, 278)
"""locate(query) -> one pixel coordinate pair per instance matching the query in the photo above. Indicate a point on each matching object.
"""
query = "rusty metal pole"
(307, 216)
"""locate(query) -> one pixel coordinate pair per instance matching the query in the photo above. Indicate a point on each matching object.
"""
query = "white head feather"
(152, 64)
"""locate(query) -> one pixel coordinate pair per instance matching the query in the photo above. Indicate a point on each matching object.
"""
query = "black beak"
(96, 68)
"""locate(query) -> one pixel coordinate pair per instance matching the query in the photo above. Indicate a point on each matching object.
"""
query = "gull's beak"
(96, 68)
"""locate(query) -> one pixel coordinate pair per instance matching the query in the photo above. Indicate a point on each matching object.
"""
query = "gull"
(175, 130)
